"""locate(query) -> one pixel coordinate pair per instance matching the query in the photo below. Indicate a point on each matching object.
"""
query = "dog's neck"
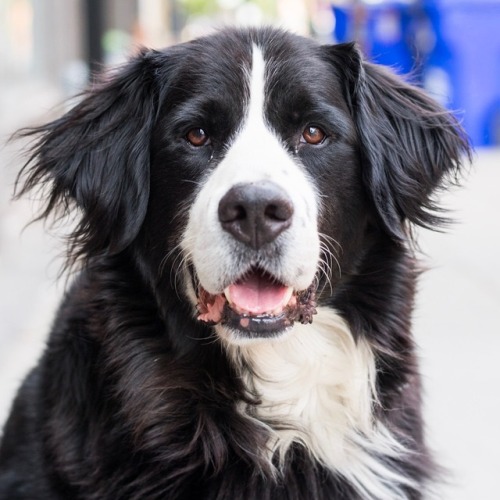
(316, 387)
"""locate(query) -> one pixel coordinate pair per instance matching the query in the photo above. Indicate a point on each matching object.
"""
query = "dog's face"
(251, 171)
(266, 154)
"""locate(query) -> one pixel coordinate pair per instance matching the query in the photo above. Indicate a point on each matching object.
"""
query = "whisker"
(326, 237)
(328, 256)
(179, 264)
(210, 340)
(326, 273)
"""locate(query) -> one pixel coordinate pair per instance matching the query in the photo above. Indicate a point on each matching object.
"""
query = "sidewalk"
(458, 331)
(456, 321)
(28, 269)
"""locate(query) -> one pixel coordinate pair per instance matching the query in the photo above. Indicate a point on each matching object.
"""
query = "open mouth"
(258, 305)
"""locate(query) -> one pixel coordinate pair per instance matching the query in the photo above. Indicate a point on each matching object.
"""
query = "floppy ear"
(97, 157)
(409, 144)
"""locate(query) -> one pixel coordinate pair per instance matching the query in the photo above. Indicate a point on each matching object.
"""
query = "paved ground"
(28, 271)
(457, 327)
(456, 320)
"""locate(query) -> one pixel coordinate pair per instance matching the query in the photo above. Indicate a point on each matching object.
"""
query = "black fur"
(133, 398)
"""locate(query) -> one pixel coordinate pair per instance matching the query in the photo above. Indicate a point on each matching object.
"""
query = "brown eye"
(197, 137)
(313, 135)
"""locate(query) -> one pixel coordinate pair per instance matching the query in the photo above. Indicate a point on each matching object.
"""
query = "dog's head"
(251, 167)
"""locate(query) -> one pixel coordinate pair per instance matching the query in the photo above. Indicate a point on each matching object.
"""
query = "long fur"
(133, 397)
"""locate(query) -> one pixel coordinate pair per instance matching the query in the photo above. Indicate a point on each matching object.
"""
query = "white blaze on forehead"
(257, 89)
(256, 154)
(257, 151)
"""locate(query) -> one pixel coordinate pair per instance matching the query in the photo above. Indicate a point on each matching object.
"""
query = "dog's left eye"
(313, 135)
(197, 137)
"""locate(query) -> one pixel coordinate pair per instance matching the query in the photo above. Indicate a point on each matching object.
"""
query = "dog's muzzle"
(257, 303)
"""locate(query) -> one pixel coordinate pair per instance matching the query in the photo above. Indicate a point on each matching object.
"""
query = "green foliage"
(200, 7)
(208, 7)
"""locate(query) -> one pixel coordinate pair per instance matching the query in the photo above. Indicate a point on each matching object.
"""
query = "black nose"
(255, 213)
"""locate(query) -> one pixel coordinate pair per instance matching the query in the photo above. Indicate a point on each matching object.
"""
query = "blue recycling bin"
(451, 47)
(380, 28)
(464, 65)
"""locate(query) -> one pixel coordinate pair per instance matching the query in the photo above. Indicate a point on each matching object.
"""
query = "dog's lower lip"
(257, 325)
(217, 309)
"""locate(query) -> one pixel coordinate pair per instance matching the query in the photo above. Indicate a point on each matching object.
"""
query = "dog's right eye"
(197, 137)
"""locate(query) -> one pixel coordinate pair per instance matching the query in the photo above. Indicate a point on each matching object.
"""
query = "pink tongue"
(257, 294)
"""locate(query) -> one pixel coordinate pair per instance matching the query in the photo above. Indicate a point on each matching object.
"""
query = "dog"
(239, 321)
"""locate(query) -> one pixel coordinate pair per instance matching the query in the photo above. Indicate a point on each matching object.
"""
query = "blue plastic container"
(452, 47)
(380, 28)
(467, 56)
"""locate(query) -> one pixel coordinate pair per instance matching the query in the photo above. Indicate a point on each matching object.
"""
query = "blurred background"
(49, 49)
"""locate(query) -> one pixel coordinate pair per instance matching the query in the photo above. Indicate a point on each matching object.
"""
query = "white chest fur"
(317, 387)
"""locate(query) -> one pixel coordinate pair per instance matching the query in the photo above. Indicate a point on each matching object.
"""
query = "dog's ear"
(97, 157)
(409, 144)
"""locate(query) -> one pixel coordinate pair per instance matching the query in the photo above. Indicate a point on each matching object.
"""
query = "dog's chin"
(256, 307)
(236, 336)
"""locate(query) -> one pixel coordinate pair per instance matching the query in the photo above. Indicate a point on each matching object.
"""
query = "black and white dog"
(240, 324)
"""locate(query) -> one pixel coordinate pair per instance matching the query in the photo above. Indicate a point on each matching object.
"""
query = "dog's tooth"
(288, 296)
(227, 294)
(286, 299)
